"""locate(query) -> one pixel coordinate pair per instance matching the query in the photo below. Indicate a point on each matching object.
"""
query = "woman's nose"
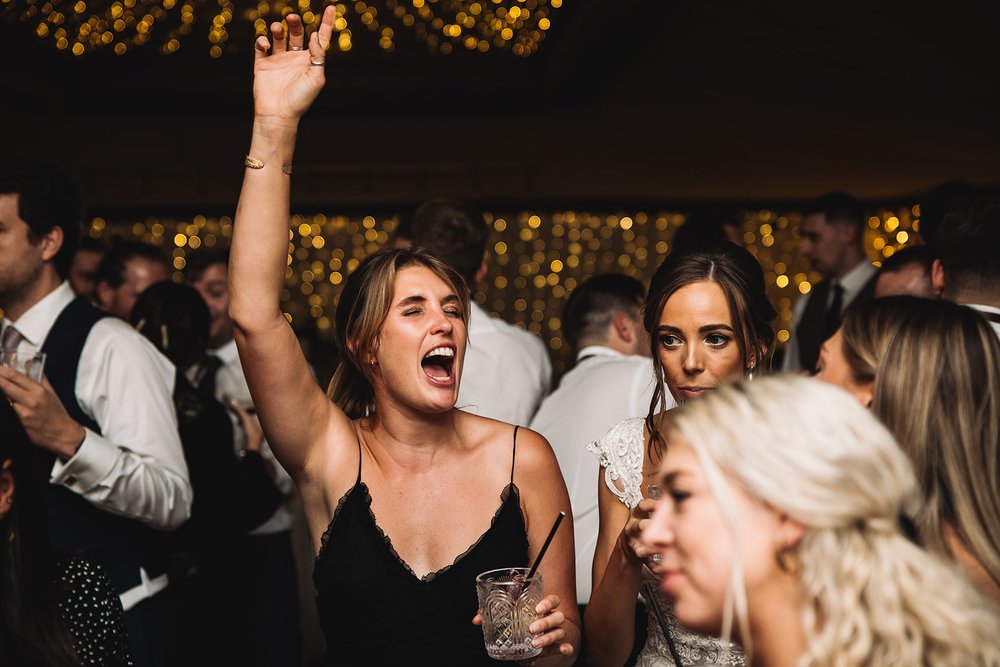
(692, 360)
(657, 534)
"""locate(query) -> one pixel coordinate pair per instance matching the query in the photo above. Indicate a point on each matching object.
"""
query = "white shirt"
(135, 467)
(507, 370)
(230, 382)
(987, 309)
(853, 282)
(603, 388)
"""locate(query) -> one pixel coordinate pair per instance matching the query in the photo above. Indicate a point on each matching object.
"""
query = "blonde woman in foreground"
(778, 525)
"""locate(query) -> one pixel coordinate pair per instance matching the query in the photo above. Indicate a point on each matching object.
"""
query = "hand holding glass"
(30, 363)
(507, 601)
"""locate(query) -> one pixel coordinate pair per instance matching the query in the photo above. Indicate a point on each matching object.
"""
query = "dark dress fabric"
(375, 611)
(92, 612)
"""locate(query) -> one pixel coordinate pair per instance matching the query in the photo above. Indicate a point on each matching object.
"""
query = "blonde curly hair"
(870, 597)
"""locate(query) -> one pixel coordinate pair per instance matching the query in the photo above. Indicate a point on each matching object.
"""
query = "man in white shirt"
(967, 268)
(832, 233)
(127, 269)
(270, 608)
(507, 370)
(613, 380)
(103, 418)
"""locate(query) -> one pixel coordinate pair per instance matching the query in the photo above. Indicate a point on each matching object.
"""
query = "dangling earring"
(750, 372)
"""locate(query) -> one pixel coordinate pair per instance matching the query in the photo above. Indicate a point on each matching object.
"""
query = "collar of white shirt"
(856, 279)
(596, 351)
(229, 354)
(37, 321)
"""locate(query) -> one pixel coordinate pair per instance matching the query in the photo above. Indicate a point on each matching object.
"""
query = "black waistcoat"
(809, 331)
(121, 545)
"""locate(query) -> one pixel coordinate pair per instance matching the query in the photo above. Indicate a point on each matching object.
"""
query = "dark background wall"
(626, 102)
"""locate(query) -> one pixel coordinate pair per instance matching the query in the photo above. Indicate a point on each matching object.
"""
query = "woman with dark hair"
(234, 492)
(53, 613)
(407, 498)
(709, 322)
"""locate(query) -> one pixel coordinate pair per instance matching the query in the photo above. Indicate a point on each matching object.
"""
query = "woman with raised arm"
(708, 320)
(407, 499)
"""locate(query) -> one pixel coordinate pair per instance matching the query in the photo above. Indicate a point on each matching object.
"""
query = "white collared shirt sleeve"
(136, 466)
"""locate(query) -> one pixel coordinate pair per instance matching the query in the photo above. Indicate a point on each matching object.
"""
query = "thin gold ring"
(318, 63)
(294, 48)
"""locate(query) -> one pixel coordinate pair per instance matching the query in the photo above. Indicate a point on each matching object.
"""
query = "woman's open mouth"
(438, 365)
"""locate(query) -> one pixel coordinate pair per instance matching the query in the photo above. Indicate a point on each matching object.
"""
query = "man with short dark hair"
(103, 419)
(832, 233)
(83, 270)
(125, 272)
(967, 268)
(507, 369)
(612, 380)
(908, 271)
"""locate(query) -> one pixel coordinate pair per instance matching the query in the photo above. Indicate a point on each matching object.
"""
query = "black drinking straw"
(545, 546)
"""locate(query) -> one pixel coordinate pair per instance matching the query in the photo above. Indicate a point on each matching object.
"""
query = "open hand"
(287, 80)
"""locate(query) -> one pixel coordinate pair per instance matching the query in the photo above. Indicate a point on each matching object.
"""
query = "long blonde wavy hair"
(870, 597)
(937, 389)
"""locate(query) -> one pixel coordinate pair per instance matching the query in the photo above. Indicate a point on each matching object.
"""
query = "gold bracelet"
(254, 163)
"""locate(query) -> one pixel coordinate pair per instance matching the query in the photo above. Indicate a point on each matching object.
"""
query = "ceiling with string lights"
(515, 100)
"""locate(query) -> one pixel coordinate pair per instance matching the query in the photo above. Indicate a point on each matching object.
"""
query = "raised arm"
(295, 414)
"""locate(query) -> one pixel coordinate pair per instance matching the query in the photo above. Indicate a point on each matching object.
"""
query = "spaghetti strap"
(358, 436)
(513, 456)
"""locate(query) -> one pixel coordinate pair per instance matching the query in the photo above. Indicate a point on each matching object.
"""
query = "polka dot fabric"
(93, 614)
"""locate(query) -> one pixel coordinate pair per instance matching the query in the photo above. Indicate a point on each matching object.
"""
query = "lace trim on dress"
(326, 533)
(621, 451)
(508, 491)
(692, 648)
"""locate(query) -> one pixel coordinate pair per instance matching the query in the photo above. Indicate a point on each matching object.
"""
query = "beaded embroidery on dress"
(621, 451)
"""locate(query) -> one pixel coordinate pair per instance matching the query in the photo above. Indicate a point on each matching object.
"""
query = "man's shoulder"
(113, 336)
(515, 334)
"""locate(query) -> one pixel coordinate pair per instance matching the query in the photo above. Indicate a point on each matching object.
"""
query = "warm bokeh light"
(535, 257)
(517, 26)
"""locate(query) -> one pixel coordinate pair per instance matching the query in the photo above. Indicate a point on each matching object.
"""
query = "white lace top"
(622, 450)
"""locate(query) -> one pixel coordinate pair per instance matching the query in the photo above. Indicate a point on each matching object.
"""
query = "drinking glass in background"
(30, 363)
(507, 601)
(653, 493)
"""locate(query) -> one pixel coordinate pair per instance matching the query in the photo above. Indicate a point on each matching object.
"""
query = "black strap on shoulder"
(358, 435)
(513, 455)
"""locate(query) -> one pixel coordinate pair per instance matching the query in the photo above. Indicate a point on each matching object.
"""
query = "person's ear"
(622, 325)
(480, 275)
(52, 241)
(790, 532)
(937, 277)
(7, 487)
(105, 294)
(866, 393)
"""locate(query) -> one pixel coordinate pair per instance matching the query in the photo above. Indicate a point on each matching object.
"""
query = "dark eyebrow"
(704, 329)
